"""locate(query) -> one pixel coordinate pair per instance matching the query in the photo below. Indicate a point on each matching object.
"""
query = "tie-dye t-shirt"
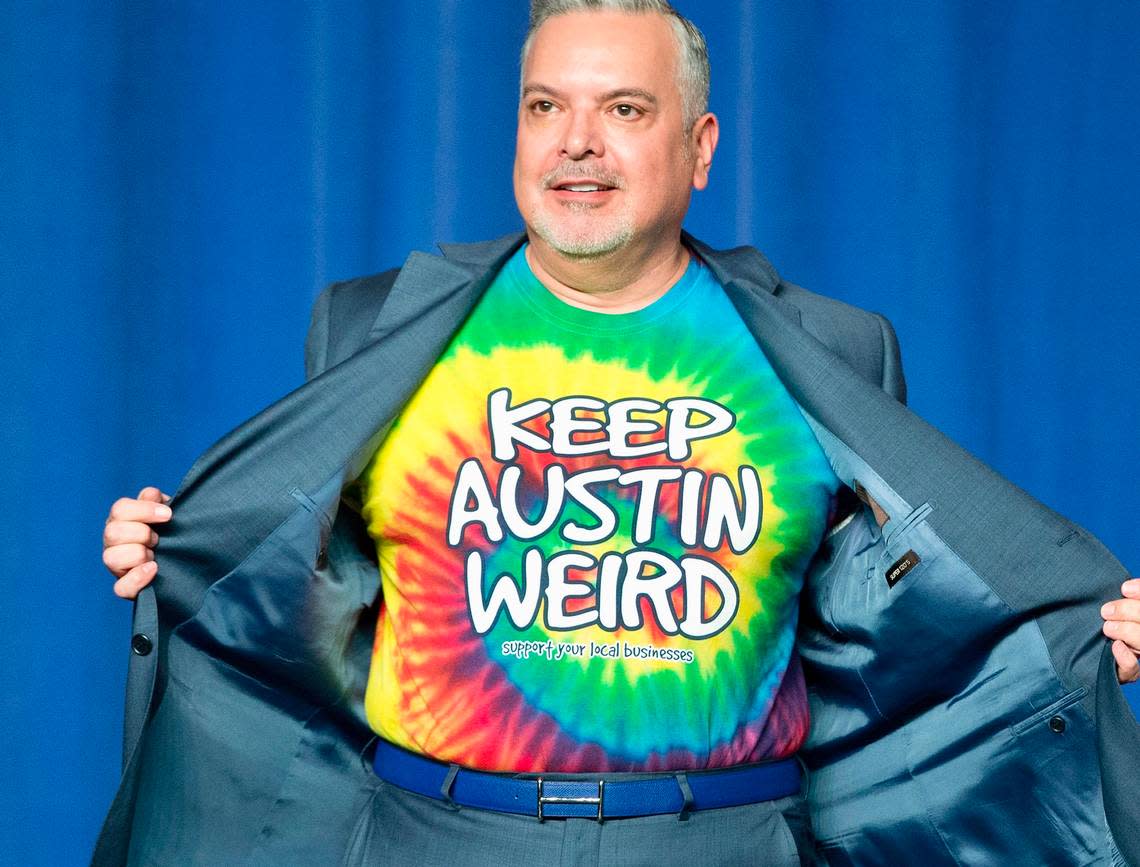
(592, 532)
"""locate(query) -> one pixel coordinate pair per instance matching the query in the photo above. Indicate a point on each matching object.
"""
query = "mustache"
(573, 171)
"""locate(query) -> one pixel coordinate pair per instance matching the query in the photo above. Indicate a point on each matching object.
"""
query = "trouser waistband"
(604, 796)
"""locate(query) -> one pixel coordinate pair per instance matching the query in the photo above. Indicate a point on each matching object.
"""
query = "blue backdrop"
(178, 180)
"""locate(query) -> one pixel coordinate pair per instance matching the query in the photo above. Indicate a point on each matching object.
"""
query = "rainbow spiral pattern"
(440, 688)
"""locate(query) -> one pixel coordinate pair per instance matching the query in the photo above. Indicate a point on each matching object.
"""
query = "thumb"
(152, 494)
(1127, 665)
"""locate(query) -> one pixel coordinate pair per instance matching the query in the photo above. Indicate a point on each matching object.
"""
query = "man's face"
(602, 157)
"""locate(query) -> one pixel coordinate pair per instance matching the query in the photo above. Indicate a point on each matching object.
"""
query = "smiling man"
(613, 137)
(587, 540)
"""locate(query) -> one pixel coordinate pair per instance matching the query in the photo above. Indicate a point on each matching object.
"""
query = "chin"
(589, 243)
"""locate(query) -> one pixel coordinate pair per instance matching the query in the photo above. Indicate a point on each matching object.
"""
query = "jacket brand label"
(901, 566)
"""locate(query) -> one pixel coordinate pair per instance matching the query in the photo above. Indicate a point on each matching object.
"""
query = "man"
(595, 470)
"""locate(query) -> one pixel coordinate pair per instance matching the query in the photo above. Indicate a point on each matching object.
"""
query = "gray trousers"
(399, 827)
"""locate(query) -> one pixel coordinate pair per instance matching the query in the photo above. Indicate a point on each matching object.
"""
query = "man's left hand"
(1122, 625)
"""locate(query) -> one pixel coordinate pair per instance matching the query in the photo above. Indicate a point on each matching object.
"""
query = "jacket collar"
(744, 265)
(465, 270)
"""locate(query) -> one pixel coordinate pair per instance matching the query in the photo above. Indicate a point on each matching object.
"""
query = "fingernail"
(1110, 628)
(150, 566)
(162, 511)
(1107, 610)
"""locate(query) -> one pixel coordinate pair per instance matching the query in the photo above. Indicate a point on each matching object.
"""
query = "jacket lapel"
(429, 288)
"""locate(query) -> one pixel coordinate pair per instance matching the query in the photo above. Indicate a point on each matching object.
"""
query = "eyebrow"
(633, 92)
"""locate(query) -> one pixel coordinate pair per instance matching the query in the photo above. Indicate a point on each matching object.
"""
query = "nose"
(582, 136)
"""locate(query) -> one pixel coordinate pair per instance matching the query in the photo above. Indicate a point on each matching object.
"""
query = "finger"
(153, 495)
(1127, 632)
(1121, 609)
(136, 579)
(120, 559)
(126, 509)
(1131, 588)
(126, 532)
(1127, 666)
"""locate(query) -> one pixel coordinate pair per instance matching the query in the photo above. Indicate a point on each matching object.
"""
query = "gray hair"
(693, 53)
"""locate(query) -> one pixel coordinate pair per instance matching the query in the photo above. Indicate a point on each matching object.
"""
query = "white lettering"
(654, 587)
(506, 427)
(564, 424)
(648, 481)
(517, 525)
(577, 488)
(622, 427)
(724, 516)
(472, 503)
(697, 571)
(521, 607)
(680, 433)
(559, 588)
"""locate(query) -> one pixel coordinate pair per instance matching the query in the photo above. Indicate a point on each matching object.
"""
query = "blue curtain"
(179, 179)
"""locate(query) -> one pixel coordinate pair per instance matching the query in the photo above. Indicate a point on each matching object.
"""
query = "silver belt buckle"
(557, 799)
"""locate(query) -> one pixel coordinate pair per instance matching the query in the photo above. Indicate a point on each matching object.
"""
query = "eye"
(626, 111)
(542, 106)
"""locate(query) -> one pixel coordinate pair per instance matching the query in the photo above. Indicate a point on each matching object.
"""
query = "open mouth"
(582, 187)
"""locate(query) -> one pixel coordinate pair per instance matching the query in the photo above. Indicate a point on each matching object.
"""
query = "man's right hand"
(129, 540)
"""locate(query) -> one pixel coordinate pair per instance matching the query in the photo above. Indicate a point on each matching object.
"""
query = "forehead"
(603, 50)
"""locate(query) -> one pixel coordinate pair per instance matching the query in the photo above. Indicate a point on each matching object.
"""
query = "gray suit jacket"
(968, 714)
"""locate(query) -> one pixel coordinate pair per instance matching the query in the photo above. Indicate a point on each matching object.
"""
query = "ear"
(703, 140)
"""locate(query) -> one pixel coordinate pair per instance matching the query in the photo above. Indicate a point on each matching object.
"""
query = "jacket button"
(141, 644)
(1057, 724)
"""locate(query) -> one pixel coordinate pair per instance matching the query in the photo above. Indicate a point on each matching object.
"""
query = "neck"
(618, 282)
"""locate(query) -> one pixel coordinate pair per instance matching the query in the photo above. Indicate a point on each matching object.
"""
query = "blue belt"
(605, 796)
